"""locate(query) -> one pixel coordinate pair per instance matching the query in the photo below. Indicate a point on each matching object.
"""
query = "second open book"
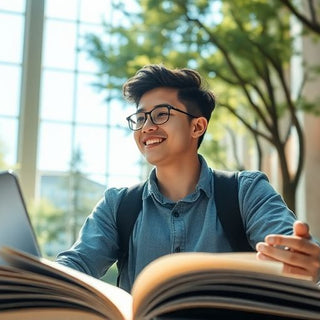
(177, 286)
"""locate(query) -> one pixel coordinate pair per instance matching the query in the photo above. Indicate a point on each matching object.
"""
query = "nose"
(148, 125)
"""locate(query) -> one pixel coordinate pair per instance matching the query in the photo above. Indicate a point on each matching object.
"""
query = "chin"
(153, 160)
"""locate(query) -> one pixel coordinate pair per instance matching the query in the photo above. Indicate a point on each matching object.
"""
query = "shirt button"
(177, 249)
(175, 214)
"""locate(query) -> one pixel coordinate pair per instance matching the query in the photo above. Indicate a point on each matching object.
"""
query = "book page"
(48, 314)
(110, 298)
(232, 289)
(173, 265)
(220, 283)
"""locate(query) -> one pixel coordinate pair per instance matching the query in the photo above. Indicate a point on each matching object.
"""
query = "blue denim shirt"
(164, 226)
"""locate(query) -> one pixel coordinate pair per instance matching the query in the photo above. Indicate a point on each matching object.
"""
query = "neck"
(177, 181)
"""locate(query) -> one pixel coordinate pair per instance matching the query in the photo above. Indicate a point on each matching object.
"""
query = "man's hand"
(299, 254)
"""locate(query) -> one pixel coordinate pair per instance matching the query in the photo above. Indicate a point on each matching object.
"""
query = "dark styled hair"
(198, 100)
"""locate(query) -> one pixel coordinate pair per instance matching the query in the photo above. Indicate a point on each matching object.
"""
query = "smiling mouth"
(153, 141)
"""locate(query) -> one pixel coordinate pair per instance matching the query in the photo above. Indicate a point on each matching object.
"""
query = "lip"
(151, 141)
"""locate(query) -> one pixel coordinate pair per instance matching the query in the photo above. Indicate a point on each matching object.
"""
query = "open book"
(177, 286)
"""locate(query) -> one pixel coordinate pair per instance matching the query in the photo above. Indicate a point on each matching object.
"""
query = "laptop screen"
(15, 227)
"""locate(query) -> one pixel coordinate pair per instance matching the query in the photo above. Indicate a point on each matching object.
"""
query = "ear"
(199, 126)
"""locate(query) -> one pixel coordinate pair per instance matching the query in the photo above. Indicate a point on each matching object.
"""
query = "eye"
(140, 118)
(161, 113)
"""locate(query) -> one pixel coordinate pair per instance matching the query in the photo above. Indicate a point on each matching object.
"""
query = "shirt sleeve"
(262, 208)
(97, 246)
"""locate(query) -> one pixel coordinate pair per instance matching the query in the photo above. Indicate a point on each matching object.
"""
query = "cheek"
(184, 128)
(136, 137)
(181, 134)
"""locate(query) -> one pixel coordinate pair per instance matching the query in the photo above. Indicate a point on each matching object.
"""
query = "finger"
(294, 262)
(264, 257)
(296, 243)
(301, 229)
(287, 268)
(290, 269)
(298, 259)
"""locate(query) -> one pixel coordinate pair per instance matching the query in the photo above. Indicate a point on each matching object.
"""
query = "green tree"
(307, 11)
(66, 202)
(49, 225)
(83, 195)
(243, 47)
(78, 202)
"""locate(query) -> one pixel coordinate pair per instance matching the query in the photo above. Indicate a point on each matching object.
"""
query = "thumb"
(301, 229)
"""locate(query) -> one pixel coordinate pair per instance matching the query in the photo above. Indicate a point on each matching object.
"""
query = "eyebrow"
(157, 105)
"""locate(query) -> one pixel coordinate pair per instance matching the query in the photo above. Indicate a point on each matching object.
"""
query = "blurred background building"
(68, 141)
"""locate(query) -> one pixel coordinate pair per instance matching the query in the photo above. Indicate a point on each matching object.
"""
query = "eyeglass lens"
(158, 115)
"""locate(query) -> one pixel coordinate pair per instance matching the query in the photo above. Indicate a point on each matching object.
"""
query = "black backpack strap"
(128, 211)
(227, 204)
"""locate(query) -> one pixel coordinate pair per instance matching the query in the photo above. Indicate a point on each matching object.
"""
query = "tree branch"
(246, 123)
(310, 24)
(234, 70)
(265, 76)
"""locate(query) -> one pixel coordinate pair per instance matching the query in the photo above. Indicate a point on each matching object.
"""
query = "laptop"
(15, 226)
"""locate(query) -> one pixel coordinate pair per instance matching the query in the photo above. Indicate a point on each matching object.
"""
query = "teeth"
(152, 141)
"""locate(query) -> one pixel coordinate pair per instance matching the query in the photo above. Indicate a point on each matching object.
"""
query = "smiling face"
(171, 142)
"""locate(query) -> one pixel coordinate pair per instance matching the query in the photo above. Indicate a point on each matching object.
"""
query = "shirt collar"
(203, 184)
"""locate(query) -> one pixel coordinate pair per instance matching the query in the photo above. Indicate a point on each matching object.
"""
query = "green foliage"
(83, 195)
(215, 152)
(58, 216)
(310, 22)
(49, 223)
(310, 107)
(183, 33)
(242, 47)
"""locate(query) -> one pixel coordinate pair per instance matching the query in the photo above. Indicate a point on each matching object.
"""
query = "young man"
(178, 206)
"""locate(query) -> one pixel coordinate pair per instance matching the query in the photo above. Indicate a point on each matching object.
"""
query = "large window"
(12, 17)
(73, 112)
(66, 140)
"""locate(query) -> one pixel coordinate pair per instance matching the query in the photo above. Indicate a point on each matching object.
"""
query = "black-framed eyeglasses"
(160, 114)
